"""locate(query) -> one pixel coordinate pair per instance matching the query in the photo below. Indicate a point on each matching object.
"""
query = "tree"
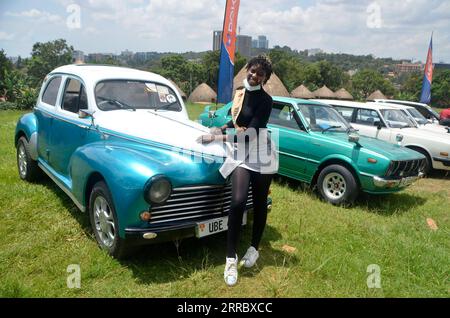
(47, 56)
(440, 89)
(5, 67)
(411, 87)
(17, 90)
(211, 61)
(367, 81)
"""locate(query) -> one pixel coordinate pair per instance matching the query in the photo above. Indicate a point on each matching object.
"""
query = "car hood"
(376, 146)
(435, 128)
(422, 134)
(158, 127)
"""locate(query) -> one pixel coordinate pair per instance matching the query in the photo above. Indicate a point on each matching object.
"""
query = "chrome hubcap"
(104, 222)
(334, 185)
(22, 157)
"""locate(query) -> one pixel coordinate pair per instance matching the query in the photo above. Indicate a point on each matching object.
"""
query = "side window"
(424, 112)
(74, 97)
(346, 112)
(367, 117)
(283, 115)
(51, 91)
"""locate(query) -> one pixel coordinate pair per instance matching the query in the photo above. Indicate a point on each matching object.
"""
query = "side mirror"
(85, 113)
(378, 124)
(212, 114)
(352, 137)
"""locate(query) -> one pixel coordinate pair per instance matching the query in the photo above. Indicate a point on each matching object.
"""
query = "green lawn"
(42, 233)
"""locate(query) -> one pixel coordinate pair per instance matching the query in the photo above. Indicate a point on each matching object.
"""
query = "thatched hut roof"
(203, 94)
(182, 94)
(324, 92)
(343, 94)
(302, 92)
(273, 87)
(376, 95)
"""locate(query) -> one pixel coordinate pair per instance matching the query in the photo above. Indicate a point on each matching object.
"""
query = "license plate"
(215, 226)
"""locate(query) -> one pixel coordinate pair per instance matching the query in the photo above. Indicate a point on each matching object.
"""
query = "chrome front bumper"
(395, 183)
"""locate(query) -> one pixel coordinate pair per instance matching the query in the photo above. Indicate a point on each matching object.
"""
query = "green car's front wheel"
(337, 185)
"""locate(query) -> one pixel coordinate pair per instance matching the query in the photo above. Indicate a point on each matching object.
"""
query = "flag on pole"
(425, 96)
(227, 49)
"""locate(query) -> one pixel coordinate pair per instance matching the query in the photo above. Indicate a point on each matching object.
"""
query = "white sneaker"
(250, 257)
(231, 274)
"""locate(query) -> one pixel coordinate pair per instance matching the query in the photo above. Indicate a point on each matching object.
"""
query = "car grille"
(405, 168)
(196, 203)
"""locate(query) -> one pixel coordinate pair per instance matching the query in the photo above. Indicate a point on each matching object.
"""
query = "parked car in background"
(420, 121)
(318, 146)
(424, 109)
(389, 123)
(119, 143)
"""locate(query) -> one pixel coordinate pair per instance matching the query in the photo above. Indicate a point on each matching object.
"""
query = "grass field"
(309, 248)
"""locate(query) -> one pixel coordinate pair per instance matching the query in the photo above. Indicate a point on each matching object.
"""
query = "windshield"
(127, 94)
(396, 118)
(418, 117)
(322, 118)
(433, 111)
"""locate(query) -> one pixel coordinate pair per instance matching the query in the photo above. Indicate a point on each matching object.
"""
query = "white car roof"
(371, 105)
(398, 106)
(95, 73)
(396, 101)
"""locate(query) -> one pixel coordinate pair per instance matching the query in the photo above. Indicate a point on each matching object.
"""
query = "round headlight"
(158, 190)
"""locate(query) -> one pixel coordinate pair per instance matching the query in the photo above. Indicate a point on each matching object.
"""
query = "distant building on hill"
(441, 66)
(243, 43)
(406, 67)
(217, 40)
(77, 57)
(260, 43)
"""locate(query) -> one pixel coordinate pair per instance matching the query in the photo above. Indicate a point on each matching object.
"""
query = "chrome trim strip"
(367, 174)
(403, 182)
(206, 187)
(298, 157)
(185, 218)
(213, 205)
(59, 184)
(201, 196)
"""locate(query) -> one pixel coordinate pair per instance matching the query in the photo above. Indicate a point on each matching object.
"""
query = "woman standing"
(250, 114)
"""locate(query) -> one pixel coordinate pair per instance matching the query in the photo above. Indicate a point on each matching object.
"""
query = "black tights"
(241, 179)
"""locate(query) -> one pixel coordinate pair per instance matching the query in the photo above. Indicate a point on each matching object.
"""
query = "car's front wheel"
(28, 168)
(337, 185)
(104, 222)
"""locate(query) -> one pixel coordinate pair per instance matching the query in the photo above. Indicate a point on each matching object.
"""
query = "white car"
(420, 121)
(389, 123)
(428, 112)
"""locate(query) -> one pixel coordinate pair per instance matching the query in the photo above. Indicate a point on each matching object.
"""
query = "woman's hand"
(241, 129)
(206, 139)
(215, 131)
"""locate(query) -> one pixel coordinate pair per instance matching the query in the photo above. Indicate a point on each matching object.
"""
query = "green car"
(318, 146)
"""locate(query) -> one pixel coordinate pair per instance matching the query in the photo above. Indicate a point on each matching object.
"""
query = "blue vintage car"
(119, 143)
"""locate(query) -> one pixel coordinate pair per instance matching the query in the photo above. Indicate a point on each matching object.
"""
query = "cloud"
(175, 25)
(6, 36)
(41, 16)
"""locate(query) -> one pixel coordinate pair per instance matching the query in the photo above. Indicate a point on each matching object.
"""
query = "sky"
(400, 29)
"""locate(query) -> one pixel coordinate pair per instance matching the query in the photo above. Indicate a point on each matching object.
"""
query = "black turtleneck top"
(255, 112)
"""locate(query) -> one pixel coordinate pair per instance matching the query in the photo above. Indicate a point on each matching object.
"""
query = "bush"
(8, 106)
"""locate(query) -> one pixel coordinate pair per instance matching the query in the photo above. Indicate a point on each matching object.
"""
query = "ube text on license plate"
(215, 226)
